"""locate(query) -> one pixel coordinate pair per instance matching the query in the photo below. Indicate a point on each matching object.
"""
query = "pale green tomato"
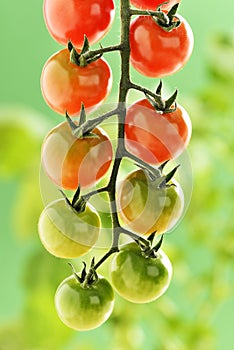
(66, 233)
(139, 279)
(144, 207)
(84, 308)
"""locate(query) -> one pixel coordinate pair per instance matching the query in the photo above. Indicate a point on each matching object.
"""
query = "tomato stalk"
(124, 86)
(167, 21)
(85, 57)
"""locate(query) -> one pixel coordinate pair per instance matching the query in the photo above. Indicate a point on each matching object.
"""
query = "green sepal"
(81, 131)
(170, 102)
(167, 21)
(158, 244)
(81, 59)
(151, 237)
(79, 205)
(76, 196)
(78, 278)
(168, 177)
(65, 197)
(83, 273)
(74, 55)
(82, 115)
(162, 106)
(156, 102)
(149, 252)
(162, 166)
(159, 89)
(85, 47)
(72, 125)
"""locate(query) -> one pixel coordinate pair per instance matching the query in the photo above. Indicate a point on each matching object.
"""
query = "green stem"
(124, 86)
(93, 53)
(154, 171)
(134, 12)
(158, 98)
(123, 90)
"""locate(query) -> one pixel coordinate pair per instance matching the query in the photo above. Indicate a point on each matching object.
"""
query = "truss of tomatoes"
(156, 131)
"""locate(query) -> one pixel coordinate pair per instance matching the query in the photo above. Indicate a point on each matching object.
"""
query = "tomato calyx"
(166, 20)
(162, 181)
(86, 279)
(159, 104)
(148, 251)
(81, 130)
(79, 58)
(165, 180)
(78, 203)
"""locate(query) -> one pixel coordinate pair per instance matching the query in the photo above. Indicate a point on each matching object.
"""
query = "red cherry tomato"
(155, 137)
(154, 4)
(72, 19)
(70, 161)
(156, 52)
(65, 85)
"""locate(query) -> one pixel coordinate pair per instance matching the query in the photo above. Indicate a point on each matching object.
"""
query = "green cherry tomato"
(144, 207)
(66, 233)
(139, 279)
(84, 308)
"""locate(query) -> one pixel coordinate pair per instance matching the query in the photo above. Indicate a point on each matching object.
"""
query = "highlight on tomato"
(146, 206)
(72, 19)
(65, 85)
(83, 307)
(138, 278)
(67, 233)
(70, 161)
(156, 136)
(159, 49)
(154, 4)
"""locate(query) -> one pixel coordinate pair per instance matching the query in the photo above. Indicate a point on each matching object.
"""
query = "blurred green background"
(197, 311)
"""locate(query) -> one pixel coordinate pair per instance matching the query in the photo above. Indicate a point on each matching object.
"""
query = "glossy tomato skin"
(156, 137)
(156, 52)
(65, 85)
(70, 161)
(83, 308)
(139, 279)
(153, 4)
(65, 233)
(143, 207)
(72, 19)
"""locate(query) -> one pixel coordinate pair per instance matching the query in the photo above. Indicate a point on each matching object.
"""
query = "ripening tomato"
(137, 278)
(66, 233)
(84, 308)
(156, 52)
(144, 207)
(70, 161)
(153, 136)
(154, 4)
(72, 19)
(65, 85)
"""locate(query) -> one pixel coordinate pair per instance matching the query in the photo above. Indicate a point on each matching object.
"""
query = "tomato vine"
(156, 187)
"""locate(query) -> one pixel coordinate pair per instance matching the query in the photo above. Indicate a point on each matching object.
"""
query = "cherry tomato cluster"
(76, 155)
